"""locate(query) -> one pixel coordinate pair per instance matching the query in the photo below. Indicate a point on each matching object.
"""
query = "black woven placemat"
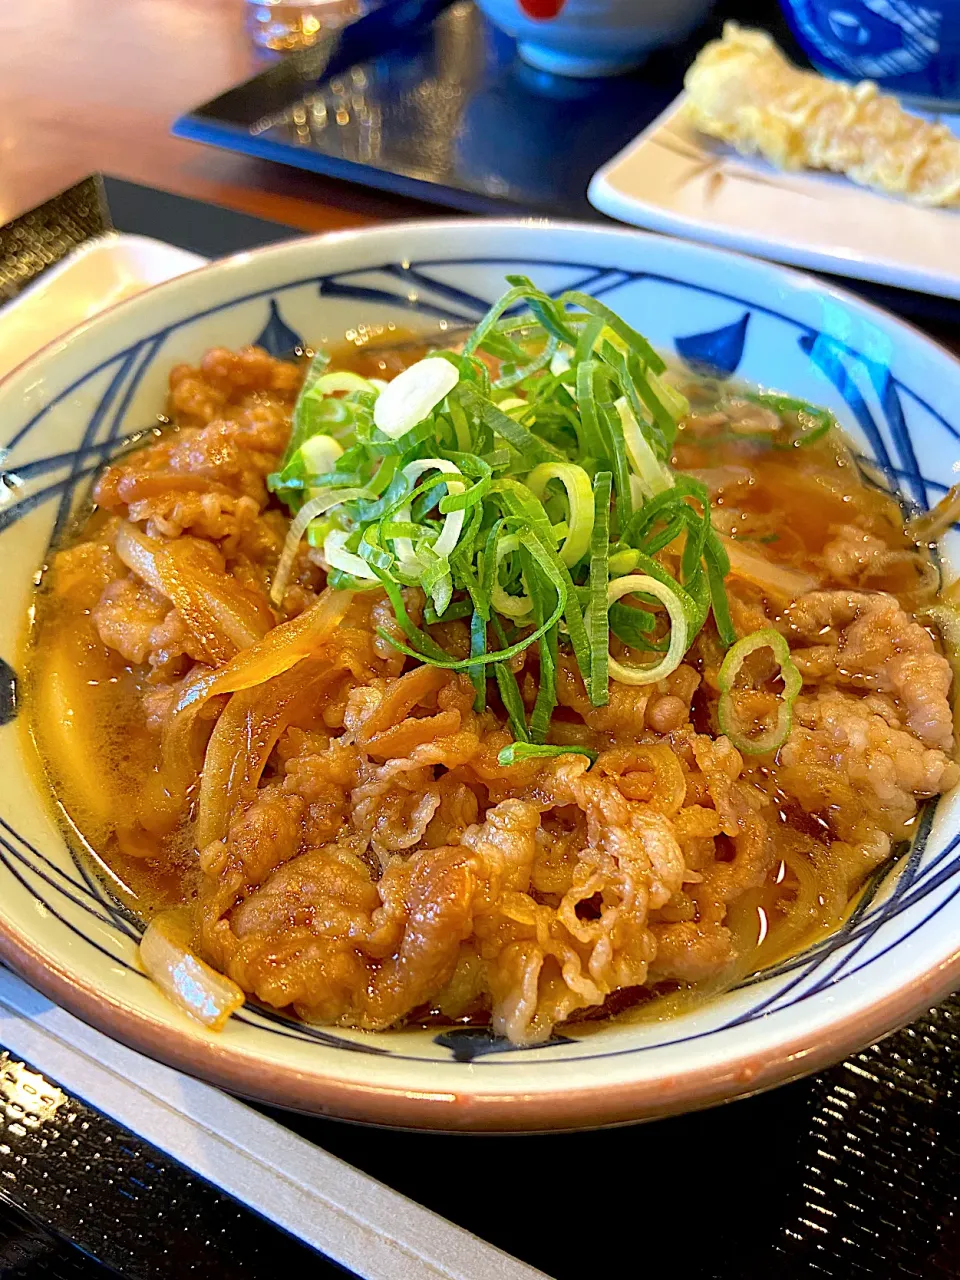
(852, 1173)
(74, 1183)
(880, 1162)
(41, 237)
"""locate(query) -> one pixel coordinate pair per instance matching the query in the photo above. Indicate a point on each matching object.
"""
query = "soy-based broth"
(341, 828)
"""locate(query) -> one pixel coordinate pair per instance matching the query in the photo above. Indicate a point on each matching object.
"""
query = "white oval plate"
(673, 178)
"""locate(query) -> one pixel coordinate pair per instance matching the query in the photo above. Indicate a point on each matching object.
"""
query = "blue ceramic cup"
(909, 49)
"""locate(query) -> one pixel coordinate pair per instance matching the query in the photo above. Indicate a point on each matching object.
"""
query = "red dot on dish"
(541, 8)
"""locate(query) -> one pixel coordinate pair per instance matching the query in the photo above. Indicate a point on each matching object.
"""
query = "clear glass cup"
(285, 25)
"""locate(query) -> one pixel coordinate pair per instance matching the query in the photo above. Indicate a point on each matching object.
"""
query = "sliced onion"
(221, 616)
(579, 490)
(935, 522)
(138, 552)
(246, 732)
(338, 557)
(640, 582)
(213, 605)
(280, 649)
(166, 955)
(781, 581)
(654, 477)
(413, 395)
(449, 535)
(325, 500)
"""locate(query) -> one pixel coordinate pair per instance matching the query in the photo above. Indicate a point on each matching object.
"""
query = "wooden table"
(94, 85)
(89, 85)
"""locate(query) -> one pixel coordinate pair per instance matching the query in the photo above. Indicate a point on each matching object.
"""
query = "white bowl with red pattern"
(587, 38)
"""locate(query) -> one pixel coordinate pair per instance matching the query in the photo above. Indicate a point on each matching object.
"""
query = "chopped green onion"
(530, 448)
(543, 593)
(510, 606)
(478, 646)
(628, 336)
(775, 737)
(813, 422)
(453, 613)
(623, 562)
(512, 499)
(718, 566)
(614, 449)
(411, 560)
(338, 557)
(598, 623)
(654, 476)
(517, 752)
(427, 652)
(591, 440)
(319, 454)
(633, 626)
(642, 584)
(576, 482)
(511, 699)
(340, 380)
(413, 395)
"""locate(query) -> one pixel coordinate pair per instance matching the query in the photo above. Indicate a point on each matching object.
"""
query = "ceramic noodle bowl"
(592, 37)
(895, 393)
(909, 49)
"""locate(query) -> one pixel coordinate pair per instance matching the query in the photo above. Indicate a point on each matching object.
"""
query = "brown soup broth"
(89, 712)
(86, 729)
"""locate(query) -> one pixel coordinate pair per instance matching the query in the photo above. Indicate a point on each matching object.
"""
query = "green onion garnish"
(777, 735)
(517, 752)
(528, 501)
(643, 584)
(812, 422)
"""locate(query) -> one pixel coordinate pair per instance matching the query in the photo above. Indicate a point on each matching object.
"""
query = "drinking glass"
(285, 25)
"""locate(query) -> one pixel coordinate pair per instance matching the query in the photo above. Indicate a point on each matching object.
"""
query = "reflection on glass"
(454, 105)
(285, 25)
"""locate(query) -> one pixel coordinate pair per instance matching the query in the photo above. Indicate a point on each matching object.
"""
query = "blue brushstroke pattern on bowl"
(909, 49)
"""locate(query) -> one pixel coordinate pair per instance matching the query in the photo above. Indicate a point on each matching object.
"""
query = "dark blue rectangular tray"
(447, 112)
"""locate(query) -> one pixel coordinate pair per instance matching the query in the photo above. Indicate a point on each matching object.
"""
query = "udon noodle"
(277, 770)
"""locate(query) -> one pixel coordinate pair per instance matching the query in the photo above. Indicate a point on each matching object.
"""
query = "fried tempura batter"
(743, 90)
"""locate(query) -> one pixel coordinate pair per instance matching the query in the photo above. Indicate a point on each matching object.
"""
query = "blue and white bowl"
(897, 394)
(912, 50)
(587, 38)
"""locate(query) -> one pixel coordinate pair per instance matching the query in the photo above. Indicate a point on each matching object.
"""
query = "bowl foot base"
(574, 64)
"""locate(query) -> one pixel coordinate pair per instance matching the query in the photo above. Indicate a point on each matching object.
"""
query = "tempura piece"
(743, 90)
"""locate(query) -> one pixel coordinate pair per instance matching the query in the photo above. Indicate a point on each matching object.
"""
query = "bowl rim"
(435, 1107)
(445, 1110)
